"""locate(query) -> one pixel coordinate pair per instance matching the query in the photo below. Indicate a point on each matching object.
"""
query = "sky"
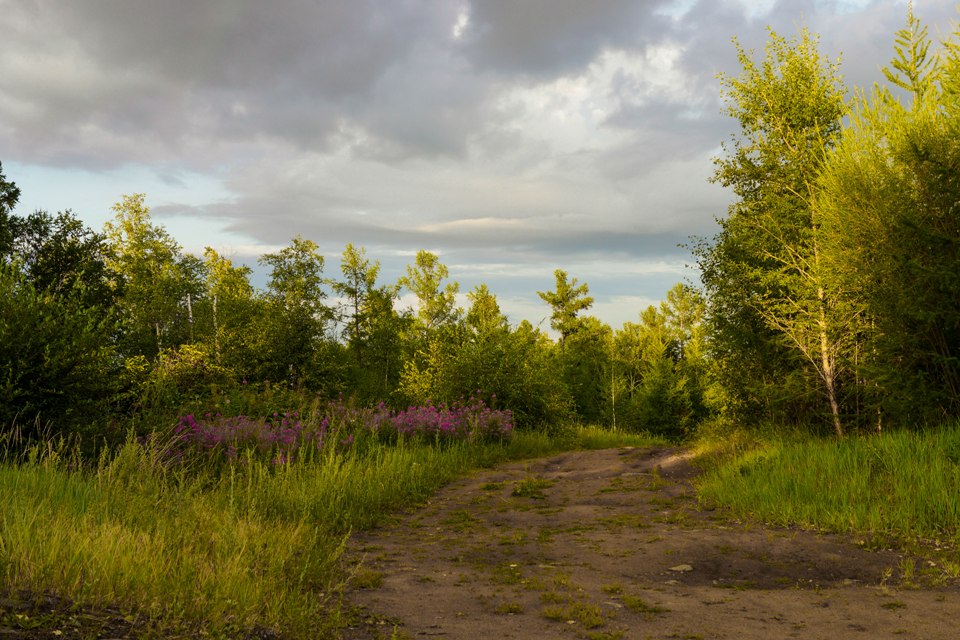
(510, 137)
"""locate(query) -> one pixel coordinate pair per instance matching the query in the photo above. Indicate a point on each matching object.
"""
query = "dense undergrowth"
(207, 544)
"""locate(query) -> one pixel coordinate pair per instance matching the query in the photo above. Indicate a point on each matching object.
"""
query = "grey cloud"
(660, 132)
(546, 38)
(162, 78)
(370, 122)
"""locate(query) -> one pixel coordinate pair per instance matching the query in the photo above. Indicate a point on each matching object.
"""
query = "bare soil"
(613, 544)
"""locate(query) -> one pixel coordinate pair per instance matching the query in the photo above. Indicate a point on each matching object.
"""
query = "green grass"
(902, 485)
(644, 608)
(196, 550)
(595, 437)
(531, 487)
(589, 615)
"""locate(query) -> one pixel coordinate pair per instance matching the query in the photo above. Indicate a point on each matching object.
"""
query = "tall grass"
(904, 485)
(220, 549)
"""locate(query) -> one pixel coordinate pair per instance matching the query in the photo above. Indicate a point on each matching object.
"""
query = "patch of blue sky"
(92, 194)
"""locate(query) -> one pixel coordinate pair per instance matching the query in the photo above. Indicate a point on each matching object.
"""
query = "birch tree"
(763, 271)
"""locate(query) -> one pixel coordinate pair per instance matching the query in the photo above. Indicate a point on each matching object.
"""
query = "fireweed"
(284, 437)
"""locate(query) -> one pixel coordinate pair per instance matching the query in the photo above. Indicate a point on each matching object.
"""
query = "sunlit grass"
(904, 485)
(219, 549)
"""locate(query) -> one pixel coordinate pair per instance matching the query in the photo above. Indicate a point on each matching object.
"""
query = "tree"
(772, 308)
(484, 318)
(437, 301)
(481, 362)
(62, 256)
(584, 359)
(359, 281)
(657, 390)
(295, 327)
(9, 196)
(889, 206)
(384, 330)
(155, 282)
(437, 333)
(567, 302)
(683, 311)
(57, 363)
(913, 70)
(229, 310)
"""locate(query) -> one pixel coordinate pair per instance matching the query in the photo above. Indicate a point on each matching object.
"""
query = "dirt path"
(611, 544)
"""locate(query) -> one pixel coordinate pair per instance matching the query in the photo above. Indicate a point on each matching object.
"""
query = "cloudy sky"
(511, 137)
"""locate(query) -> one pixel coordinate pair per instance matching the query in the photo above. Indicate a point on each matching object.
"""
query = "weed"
(638, 605)
(546, 535)
(656, 481)
(634, 521)
(561, 579)
(460, 521)
(896, 486)
(218, 546)
(908, 573)
(531, 487)
(624, 484)
(557, 614)
(367, 579)
(516, 537)
(509, 608)
(680, 518)
(603, 635)
(507, 573)
(552, 597)
(590, 616)
(396, 634)
(951, 568)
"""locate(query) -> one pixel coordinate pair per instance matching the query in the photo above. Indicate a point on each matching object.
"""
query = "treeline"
(834, 281)
(99, 327)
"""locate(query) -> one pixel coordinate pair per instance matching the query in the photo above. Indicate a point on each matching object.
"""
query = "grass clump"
(644, 608)
(589, 615)
(531, 487)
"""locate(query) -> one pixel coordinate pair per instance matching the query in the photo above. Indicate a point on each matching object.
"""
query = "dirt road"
(612, 544)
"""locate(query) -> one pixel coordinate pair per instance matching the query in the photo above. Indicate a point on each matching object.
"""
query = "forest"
(827, 310)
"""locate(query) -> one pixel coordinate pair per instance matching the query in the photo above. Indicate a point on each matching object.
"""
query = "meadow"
(898, 489)
(232, 524)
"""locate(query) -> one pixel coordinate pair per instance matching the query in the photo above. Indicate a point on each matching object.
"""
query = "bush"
(57, 366)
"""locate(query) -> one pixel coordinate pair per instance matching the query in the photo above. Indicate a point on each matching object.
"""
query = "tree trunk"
(827, 368)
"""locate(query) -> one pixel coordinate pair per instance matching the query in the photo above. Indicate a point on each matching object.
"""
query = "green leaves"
(567, 302)
(57, 366)
(437, 301)
(889, 206)
(913, 69)
(767, 288)
(155, 282)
